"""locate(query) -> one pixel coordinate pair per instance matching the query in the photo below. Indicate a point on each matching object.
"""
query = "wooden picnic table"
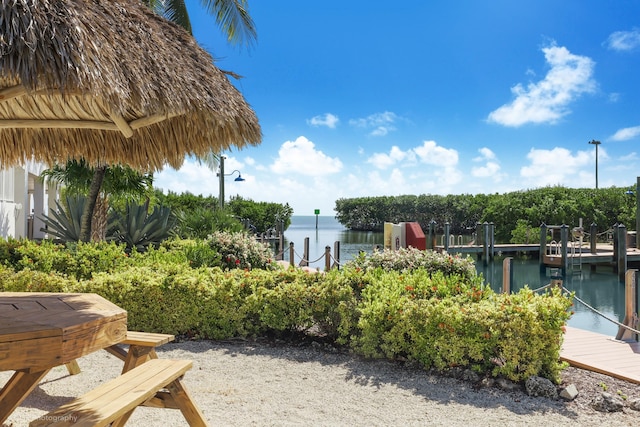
(39, 331)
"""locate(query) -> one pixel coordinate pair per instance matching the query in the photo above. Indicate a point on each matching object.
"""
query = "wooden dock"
(603, 255)
(601, 353)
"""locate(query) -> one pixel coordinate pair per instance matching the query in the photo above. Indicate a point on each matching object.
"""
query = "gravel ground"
(266, 383)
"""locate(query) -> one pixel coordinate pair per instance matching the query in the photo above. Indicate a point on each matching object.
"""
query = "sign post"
(317, 212)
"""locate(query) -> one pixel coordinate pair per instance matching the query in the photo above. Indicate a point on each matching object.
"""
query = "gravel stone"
(263, 383)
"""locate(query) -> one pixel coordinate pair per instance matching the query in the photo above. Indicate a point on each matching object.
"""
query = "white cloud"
(300, 156)
(485, 154)
(629, 157)
(382, 123)
(491, 168)
(547, 100)
(429, 152)
(434, 154)
(626, 134)
(624, 40)
(488, 170)
(193, 177)
(557, 166)
(327, 119)
(384, 160)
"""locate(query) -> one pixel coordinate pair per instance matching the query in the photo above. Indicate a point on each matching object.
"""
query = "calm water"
(599, 289)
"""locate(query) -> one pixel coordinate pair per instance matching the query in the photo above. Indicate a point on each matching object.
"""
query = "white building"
(24, 198)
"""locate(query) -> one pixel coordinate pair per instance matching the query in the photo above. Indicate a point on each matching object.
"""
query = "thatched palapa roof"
(110, 81)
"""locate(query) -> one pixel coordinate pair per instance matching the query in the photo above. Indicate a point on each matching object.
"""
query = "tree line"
(509, 212)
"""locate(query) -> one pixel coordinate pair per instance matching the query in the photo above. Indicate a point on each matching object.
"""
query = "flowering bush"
(239, 250)
(412, 258)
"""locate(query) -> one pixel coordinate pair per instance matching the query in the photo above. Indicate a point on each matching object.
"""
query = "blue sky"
(364, 98)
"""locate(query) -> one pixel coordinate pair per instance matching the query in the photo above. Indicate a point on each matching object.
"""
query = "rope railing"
(305, 261)
(599, 313)
(626, 327)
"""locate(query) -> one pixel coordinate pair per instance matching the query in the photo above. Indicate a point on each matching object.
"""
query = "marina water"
(600, 289)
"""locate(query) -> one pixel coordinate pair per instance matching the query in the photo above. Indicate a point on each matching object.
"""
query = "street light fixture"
(221, 176)
(596, 143)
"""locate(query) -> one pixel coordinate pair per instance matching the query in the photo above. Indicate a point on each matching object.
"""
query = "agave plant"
(138, 229)
(64, 222)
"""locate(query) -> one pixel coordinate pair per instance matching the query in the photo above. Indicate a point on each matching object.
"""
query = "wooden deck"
(602, 353)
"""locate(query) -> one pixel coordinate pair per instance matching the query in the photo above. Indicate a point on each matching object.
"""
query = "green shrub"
(35, 281)
(440, 319)
(75, 259)
(8, 255)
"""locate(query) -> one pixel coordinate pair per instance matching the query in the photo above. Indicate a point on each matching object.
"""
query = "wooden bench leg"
(114, 401)
(191, 412)
(73, 367)
(17, 389)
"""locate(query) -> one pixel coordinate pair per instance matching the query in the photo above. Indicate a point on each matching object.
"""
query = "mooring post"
(447, 230)
(593, 238)
(327, 258)
(485, 243)
(543, 248)
(630, 306)
(478, 239)
(492, 242)
(304, 262)
(564, 236)
(336, 257)
(621, 257)
(556, 279)
(431, 244)
(615, 246)
(507, 275)
(291, 254)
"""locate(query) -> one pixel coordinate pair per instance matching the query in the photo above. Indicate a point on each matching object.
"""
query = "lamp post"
(596, 143)
(221, 176)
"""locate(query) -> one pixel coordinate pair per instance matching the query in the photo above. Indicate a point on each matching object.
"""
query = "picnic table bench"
(113, 402)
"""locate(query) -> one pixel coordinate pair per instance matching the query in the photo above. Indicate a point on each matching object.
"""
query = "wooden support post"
(327, 258)
(564, 237)
(447, 230)
(507, 275)
(431, 244)
(492, 240)
(304, 262)
(543, 248)
(292, 253)
(336, 257)
(478, 240)
(485, 243)
(556, 280)
(630, 306)
(615, 247)
(593, 238)
(621, 256)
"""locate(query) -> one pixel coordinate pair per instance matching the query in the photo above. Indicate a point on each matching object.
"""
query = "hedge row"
(439, 320)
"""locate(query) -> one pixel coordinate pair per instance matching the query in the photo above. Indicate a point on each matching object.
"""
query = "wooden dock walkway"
(604, 253)
(601, 353)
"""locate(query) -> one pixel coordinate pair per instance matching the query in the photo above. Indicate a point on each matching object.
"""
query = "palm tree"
(233, 18)
(231, 15)
(123, 182)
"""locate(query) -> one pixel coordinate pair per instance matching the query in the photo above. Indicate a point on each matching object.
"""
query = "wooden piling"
(630, 306)
(507, 275)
